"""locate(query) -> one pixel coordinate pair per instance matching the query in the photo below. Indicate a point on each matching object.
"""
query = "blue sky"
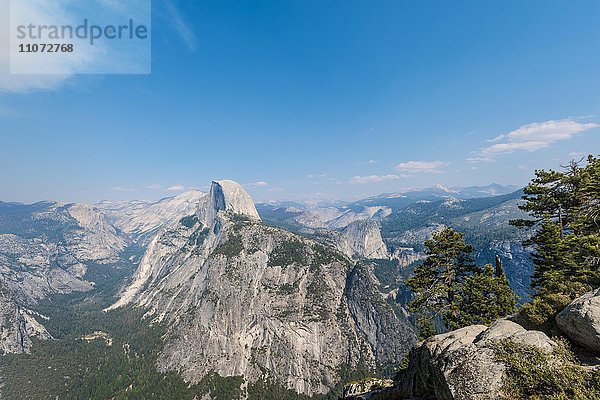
(314, 99)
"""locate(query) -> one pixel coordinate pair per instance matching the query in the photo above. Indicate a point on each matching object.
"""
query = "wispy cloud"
(536, 136)
(48, 71)
(155, 186)
(181, 26)
(428, 167)
(478, 159)
(369, 162)
(361, 180)
(259, 184)
(577, 154)
(121, 189)
(33, 12)
(176, 188)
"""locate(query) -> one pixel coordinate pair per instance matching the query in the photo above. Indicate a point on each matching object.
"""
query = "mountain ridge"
(243, 298)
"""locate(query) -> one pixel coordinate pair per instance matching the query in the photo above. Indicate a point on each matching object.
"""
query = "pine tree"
(485, 297)
(437, 281)
(549, 258)
(566, 210)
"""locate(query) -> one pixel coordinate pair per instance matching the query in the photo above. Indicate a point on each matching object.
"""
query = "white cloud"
(260, 184)
(430, 167)
(536, 136)
(181, 26)
(155, 186)
(26, 83)
(49, 71)
(360, 180)
(121, 189)
(176, 188)
(577, 154)
(479, 159)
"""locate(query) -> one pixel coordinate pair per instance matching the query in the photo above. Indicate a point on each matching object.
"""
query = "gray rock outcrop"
(140, 221)
(245, 299)
(46, 253)
(17, 326)
(229, 196)
(362, 239)
(580, 320)
(461, 365)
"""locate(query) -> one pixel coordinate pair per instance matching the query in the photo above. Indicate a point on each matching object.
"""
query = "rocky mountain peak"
(226, 195)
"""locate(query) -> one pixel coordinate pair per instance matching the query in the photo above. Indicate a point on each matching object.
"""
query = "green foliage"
(71, 368)
(484, 298)
(418, 215)
(403, 367)
(266, 389)
(565, 209)
(288, 288)
(438, 279)
(426, 326)
(189, 221)
(316, 309)
(232, 247)
(288, 252)
(198, 237)
(448, 285)
(533, 374)
(239, 221)
(323, 255)
(543, 308)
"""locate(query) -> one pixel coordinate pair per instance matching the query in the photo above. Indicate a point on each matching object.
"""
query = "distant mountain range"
(408, 218)
(286, 295)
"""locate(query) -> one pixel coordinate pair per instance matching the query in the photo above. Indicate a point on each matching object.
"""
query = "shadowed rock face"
(242, 298)
(376, 321)
(580, 321)
(229, 196)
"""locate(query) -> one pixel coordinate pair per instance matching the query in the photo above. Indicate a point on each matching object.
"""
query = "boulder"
(580, 321)
(461, 365)
(506, 329)
(500, 329)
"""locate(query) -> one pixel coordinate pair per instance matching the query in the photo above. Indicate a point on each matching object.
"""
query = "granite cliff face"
(243, 298)
(141, 220)
(362, 239)
(17, 326)
(44, 249)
